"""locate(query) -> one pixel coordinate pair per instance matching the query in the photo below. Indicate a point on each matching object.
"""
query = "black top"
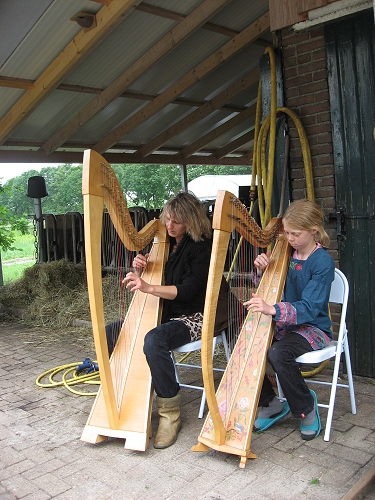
(187, 269)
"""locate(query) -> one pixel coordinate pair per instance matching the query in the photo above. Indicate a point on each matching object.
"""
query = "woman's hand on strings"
(140, 263)
(257, 304)
(135, 282)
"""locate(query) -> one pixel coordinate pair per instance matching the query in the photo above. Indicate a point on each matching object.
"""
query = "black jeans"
(282, 355)
(157, 346)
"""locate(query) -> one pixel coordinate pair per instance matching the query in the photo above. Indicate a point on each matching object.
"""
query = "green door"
(351, 77)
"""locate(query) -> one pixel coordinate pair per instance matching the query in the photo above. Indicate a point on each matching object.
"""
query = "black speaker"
(36, 187)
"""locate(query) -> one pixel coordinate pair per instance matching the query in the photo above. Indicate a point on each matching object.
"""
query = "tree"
(64, 187)
(149, 186)
(15, 199)
(9, 224)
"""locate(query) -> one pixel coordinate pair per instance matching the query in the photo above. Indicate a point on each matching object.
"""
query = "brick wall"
(306, 93)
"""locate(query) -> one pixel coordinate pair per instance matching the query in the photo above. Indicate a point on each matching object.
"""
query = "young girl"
(302, 319)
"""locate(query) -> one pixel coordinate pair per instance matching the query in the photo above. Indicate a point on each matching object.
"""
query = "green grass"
(14, 272)
(24, 246)
(15, 261)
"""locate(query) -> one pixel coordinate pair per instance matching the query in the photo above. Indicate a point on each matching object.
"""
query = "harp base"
(205, 444)
(137, 441)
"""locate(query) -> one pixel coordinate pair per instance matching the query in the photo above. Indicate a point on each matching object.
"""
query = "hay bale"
(55, 293)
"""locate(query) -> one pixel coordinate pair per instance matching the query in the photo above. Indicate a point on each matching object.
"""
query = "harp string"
(232, 406)
(118, 260)
(241, 255)
(115, 296)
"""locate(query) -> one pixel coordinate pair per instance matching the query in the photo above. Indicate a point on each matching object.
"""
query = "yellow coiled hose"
(69, 378)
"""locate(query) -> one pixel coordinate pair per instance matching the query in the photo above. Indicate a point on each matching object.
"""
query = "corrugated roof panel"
(226, 74)
(10, 38)
(176, 64)
(204, 126)
(112, 57)
(184, 7)
(47, 38)
(8, 97)
(44, 123)
(239, 13)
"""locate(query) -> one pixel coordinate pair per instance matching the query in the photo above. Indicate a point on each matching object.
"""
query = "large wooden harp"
(122, 408)
(232, 410)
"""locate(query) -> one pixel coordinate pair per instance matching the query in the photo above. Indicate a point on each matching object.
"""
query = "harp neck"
(100, 182)
(230, 214)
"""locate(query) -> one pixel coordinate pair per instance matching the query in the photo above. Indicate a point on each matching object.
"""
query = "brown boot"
(169, 423)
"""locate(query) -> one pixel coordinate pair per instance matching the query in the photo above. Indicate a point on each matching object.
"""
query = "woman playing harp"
(183, 294)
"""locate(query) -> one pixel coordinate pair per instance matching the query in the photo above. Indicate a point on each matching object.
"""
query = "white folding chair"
(339, 295)
(195, 346)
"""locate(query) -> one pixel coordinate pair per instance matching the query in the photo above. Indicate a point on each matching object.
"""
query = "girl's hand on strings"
(134, 282)
(140, 263)
(257, 304)
(262, 261)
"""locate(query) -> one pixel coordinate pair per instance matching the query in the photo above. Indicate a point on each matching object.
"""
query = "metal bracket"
(340, 217)
(340, 221)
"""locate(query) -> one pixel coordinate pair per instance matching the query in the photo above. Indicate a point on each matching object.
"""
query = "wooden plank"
(16, 83)
(248, 35)
(284, 13)
(106, 19)
(166, 44)
(114, 158)
(206, 109)
(361, 487)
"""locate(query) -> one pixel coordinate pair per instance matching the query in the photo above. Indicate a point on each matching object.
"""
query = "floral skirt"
(194, 323)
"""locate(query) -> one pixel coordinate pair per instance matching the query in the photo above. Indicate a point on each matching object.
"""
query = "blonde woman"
(185, 277)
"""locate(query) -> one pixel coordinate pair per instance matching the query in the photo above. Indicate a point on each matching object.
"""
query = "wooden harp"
(232, 410)
(123, 405)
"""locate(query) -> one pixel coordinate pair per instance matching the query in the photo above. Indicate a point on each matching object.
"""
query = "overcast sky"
(10, 170)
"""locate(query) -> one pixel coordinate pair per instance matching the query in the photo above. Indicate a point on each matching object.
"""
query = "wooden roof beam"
(21, 83)
(166, 44)
(218, 131)
(204, 110)
(246, 36)
(106, 19)
(116, 158)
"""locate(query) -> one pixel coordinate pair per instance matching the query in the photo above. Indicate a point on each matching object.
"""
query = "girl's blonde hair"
(186, 208)
(307, 215)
